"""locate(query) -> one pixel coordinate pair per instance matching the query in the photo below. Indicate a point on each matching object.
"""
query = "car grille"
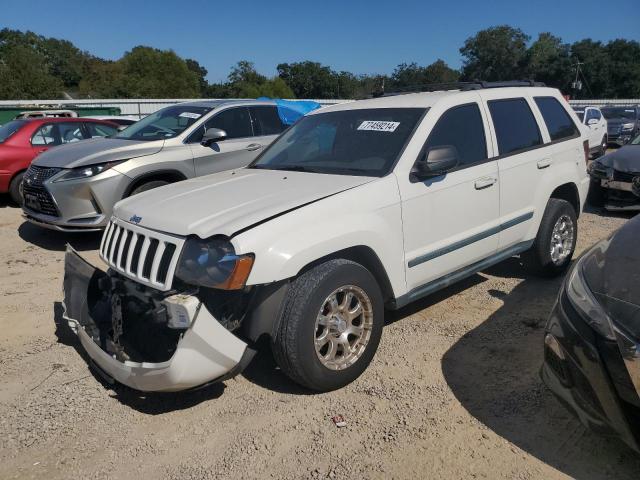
(35, 176)
(45, 203)
(146, 256)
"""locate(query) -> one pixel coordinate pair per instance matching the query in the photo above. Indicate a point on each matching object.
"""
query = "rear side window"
(266, 121)
(558, 121)
(100, 130)
(461, 127)
(10, 128)
(515, 125)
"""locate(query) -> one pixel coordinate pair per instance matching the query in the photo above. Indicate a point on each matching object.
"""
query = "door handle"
(485, 182)
(253, 147)
(544, 163)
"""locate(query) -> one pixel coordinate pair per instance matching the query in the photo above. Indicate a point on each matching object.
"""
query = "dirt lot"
(453, 393)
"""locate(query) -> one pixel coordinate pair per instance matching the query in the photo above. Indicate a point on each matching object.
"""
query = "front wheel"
(15, 189)
(555, 243)
(148, 186)
(331, 325)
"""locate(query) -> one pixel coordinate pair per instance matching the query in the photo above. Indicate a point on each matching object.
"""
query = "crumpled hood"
(226, 202)
(612, 272)
(625, 159)
(96, 150)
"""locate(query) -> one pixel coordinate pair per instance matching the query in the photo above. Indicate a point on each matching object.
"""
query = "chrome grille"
(35, 176)
(146, 256)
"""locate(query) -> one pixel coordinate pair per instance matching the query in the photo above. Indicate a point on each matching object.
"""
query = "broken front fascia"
(204, 352)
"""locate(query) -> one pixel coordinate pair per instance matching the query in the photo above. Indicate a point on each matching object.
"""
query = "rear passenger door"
(237, 150)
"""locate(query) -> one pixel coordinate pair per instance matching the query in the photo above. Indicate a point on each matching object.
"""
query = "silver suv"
(75, 186)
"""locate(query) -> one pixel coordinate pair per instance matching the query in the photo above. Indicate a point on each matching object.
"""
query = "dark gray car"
(592, 340)
(74, 187)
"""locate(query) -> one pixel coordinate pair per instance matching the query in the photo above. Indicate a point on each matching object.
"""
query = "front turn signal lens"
(239, 275)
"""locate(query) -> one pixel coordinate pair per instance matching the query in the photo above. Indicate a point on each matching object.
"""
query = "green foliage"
(34, 66)
(497, 53)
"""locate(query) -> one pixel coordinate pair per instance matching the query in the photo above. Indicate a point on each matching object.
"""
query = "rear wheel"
(555, 243)
(331, 325)
(148, 186)
(603, 146)
(15, 189)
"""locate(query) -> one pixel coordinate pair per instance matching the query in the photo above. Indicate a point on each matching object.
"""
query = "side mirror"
(592, 121)
(213, 135)
(436, 161)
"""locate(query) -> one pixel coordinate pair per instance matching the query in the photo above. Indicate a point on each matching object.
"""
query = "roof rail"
(463, 86)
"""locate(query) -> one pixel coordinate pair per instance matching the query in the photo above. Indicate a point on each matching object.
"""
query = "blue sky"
(358, 36)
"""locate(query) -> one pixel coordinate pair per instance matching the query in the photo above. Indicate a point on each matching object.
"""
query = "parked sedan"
(615, 179)
(22, 139)
(74, 188)
(592, 340)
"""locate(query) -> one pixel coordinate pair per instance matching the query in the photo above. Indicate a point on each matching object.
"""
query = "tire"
(300, 326)
(148, 186)
(539, 258)
(15, 189)
(603, 146)
(596, 194)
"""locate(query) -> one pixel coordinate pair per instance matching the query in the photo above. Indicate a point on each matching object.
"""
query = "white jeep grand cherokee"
(357, 208)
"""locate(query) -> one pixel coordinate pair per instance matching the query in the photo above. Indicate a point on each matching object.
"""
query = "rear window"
(556, 118)
(10, 128)
(515, 125)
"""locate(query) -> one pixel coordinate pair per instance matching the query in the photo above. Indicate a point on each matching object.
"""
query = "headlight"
(628, 126)
(213, 263)
(585, 302)
(596, 169)
(86, 172)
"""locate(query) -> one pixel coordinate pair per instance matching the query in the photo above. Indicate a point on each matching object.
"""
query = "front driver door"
(450, 221)
(237, 150)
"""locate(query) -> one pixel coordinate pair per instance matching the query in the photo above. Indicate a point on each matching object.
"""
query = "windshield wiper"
(290, 168)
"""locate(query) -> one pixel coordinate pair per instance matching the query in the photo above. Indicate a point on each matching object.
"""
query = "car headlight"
(596, 169)
(584, 301)
(213, 263)
(86, 172)
(628, 126)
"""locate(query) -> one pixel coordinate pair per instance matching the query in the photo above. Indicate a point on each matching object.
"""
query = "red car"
(21, 140)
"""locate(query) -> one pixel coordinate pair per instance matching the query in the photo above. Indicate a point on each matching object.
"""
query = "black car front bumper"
(587, 373)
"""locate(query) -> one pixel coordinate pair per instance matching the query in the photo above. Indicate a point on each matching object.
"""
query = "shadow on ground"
(54, 240)
(493, 372)
(148, 403)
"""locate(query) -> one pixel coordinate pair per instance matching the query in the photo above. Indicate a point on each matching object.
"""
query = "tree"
(310, 79)
(497, 53)
(548, 60)
(24, 74)
(245, 82)
(200, 72)
(624, 68)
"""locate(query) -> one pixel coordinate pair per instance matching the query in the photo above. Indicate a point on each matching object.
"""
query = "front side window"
(363, 142)
(10, 128)
(166, 123)
(557, 119)
(100, 130)
(515, 125)
(462, 128)
(266, 120)
(234, 121)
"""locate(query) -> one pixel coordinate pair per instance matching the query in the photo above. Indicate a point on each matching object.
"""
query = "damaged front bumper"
(201, 352)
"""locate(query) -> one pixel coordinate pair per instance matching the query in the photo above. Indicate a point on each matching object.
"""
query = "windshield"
(166, 123)
(10, 128)
(580, 114)
(351, 142)
(621, 112)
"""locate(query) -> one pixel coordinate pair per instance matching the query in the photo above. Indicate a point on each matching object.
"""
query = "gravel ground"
(453, 392)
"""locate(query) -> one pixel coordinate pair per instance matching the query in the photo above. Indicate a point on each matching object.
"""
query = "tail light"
(585, 146)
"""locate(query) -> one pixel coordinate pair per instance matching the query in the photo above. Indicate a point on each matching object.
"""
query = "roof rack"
(463, 86)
